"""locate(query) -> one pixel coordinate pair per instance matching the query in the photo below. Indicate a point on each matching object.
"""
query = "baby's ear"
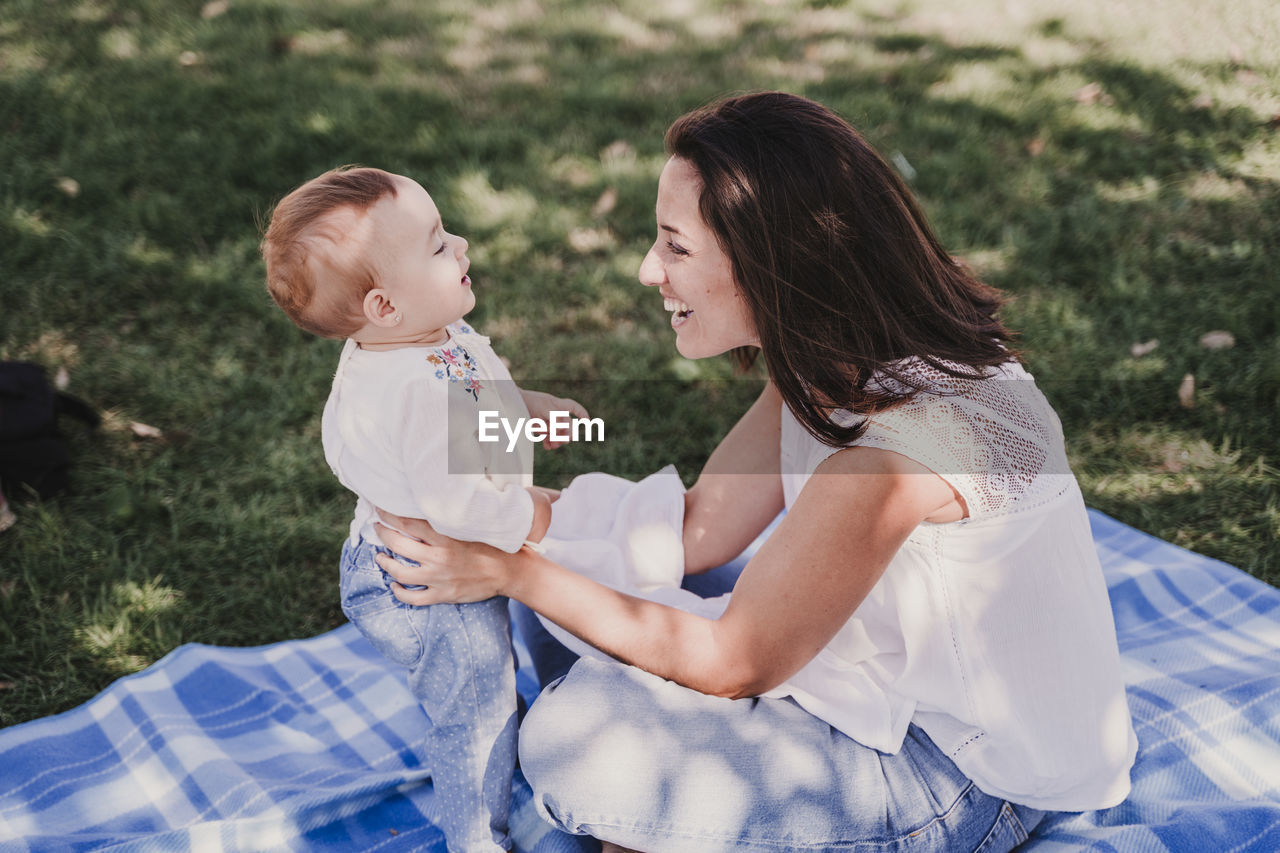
(379, 309)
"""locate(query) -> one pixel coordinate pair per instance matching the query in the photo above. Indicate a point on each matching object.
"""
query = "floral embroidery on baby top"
(456, 364)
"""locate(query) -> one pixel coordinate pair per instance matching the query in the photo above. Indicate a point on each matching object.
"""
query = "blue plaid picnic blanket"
(1200, 647)
(310, 744)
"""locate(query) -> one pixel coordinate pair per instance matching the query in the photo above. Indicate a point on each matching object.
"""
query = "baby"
(362, 254)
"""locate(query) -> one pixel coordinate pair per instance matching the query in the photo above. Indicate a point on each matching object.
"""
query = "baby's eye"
(443, 245)
(676, 250)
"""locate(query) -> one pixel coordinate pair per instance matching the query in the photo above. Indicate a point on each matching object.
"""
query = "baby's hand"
(541, 405)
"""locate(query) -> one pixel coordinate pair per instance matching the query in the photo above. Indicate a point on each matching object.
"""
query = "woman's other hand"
(451, 571)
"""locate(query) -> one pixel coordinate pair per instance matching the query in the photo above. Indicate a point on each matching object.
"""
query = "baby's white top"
(399, 430)
(994, 634)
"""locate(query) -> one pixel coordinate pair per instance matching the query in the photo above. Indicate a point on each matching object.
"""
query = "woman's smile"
(681, 310)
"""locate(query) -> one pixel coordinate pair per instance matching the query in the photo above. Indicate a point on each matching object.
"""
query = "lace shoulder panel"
(996, 440)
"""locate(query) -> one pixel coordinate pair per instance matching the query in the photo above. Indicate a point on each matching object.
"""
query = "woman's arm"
(793, 596)
(739, 490)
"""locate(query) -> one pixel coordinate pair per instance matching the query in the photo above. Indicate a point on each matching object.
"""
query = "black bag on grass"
(33, 453)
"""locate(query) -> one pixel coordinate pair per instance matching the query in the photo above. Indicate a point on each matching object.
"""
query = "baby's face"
(421, 266)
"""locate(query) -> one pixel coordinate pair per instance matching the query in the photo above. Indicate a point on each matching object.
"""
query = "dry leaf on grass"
(1144, 348)
(1187, 392)
(142, 430)
(606, 203)
(1218, 339)
(903, 166)
(1090, 94)
(619, 149)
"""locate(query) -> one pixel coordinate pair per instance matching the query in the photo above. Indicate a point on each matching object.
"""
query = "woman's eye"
(676, 250)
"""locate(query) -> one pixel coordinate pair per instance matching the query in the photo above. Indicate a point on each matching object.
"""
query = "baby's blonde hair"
(299, 238)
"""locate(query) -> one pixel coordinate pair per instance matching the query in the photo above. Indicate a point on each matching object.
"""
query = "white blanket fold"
(628, 536)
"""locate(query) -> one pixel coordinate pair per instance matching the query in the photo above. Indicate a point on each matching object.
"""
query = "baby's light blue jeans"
(624, 756)
(462, 669)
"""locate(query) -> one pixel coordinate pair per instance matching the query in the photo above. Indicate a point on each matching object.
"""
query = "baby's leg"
(462, 669)
(466, 684)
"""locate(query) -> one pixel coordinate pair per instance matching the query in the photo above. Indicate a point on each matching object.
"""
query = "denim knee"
(549, 732)
(565, 738)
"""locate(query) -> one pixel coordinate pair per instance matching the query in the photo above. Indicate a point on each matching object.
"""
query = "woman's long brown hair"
(843, 276)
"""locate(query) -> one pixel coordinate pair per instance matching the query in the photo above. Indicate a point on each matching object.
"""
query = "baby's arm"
(542, 499)
(541, 405)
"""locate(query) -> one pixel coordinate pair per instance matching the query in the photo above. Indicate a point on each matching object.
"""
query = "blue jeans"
(624, 756)
(462, 669)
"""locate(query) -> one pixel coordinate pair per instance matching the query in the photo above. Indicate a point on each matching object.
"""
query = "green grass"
(1117, 171)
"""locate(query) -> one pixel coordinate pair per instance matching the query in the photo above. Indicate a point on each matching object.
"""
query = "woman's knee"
(568, 715)
(587, 743)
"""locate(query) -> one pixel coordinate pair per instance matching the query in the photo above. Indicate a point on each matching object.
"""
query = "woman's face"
(692, 273)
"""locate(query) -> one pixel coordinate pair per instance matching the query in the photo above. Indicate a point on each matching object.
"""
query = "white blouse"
(994, 634)
(400, 430)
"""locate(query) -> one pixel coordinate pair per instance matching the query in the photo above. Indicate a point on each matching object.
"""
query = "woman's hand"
(453, 572)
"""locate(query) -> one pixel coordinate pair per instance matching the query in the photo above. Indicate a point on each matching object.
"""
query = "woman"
(928, 625)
